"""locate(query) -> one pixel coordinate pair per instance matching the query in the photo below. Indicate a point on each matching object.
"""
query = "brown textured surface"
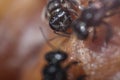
(101, 61)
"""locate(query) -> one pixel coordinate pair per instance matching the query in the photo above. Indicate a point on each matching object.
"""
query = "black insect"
(93, 15)
(53, 70)
(59, 14)
(81, 77)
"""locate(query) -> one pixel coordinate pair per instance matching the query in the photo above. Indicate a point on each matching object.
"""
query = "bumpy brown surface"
(101, 61)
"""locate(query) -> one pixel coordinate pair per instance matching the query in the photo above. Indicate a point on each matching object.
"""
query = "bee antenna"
(53, 47)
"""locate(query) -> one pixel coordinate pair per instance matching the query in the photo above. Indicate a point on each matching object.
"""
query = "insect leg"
(109, 33)
(54, 38)
(94, 34)
(61, 34)
(70, 64)
(73, 12)
(47, 39)
(76, 3)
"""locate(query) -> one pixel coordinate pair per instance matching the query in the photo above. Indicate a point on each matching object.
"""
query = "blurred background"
(20, 37)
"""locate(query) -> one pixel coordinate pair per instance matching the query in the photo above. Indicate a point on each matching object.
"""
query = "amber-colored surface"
(20, 37)
(22, 50)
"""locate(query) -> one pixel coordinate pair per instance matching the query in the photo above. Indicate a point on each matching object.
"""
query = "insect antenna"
(48, 40)
(53, 47)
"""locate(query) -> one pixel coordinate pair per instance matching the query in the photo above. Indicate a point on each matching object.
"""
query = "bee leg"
(61, 34)
(109, 33)
(53, 38)
(76, 3)
(94, 34)
(70, 64)
(73, 12)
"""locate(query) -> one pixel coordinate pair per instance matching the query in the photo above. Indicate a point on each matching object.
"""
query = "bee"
(93, 15)
(59, 13)
(53, 70)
